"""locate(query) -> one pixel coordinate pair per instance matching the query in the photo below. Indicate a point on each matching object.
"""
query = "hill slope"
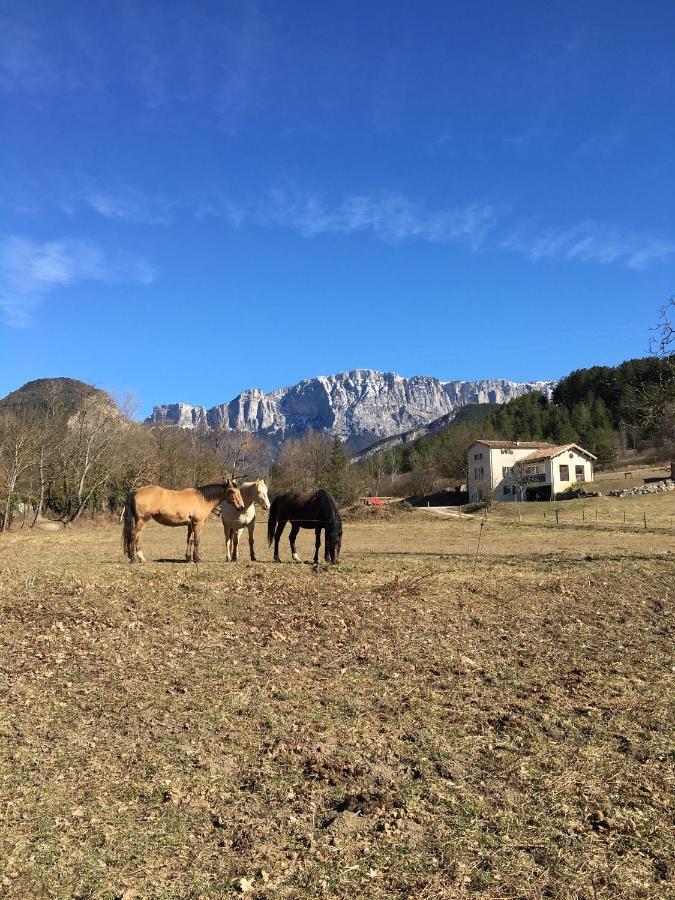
(42, 392)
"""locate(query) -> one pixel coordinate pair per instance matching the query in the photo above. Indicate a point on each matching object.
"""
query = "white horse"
(235, 520)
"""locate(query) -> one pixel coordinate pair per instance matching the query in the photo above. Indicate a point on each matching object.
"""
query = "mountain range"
(361, 407)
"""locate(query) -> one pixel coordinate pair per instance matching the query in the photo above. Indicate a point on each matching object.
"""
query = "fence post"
(583, 515)
(645, 517)
(557, 522)
(624, 517)
(480, 534)
(596, 517)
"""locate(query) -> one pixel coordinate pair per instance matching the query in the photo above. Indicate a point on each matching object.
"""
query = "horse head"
(233, 496)
(262, 497)
(334, 540)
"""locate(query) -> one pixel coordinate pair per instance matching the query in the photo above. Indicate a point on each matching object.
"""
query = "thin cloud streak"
(390, 217)
(31, 270)
(594, 243)
(128, 206)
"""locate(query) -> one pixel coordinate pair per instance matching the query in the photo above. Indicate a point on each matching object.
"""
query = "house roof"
(513, 445)
(550, 452)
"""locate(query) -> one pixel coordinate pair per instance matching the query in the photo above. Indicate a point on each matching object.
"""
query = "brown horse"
(190, 507)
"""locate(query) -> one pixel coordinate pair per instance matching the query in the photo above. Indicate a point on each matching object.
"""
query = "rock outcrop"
(361, 406)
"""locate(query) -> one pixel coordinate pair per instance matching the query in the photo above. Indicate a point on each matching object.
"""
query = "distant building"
(525, 470)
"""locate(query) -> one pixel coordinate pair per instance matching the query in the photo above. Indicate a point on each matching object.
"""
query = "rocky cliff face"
(361, 406)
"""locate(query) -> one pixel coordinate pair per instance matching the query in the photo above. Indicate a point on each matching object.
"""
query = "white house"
(525, 470)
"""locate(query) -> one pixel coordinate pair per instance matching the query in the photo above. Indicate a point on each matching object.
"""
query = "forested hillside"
(603, 408)
(600, 408)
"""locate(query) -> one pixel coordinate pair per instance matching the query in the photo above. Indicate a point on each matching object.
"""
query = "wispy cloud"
(390, 217)
(591, 242)
(31, 270)
(129, 206)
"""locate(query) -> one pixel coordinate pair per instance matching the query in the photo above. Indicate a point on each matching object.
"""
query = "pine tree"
(338, 461)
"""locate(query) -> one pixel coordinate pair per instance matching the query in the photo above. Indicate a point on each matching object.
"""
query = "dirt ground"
(395, 727)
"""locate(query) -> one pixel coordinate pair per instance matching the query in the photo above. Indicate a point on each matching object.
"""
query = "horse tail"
(272, 521)
(128, 523)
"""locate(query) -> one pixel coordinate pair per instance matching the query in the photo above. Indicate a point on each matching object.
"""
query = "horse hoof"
(277, 559)
(296, 558)
(253, 559)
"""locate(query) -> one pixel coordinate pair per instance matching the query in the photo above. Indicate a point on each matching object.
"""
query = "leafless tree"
(17, 454)
(241, 453)
(658, 401)
(519, 477)
(302, 463)
(93, 434)
(50, 422)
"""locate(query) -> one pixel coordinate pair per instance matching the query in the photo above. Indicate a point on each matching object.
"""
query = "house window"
(579, 472)
(507, 489)
(478, 456)
(507, 451)
(564, 473)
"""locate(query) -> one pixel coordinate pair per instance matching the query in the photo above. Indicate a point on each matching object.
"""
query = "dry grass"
(608, 512)
(392, 728)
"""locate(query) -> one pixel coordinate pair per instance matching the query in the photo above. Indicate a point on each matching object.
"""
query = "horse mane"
(212, 491)
(336, 521)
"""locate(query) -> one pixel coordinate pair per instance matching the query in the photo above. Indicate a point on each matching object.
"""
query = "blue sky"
(197, 198)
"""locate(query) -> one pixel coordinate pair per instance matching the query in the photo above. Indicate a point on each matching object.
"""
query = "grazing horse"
(190, 507)
(234, 521)
(315, 511)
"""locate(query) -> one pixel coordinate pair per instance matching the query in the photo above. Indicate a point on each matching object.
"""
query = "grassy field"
(395, 727)
(653, 511)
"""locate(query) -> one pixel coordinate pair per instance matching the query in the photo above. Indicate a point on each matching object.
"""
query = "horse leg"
(251, 526)
(197, 529)
(226, 534)
(188, 548)
(235, 543)
(317, 544)
(277, 537)
(291, 537)
(328, 547)
(138, 527)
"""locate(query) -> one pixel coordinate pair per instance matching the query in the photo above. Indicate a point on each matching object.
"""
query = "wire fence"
(572, 515)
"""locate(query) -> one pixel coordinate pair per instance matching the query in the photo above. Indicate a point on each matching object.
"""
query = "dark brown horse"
(190, 507)
(317, 511)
